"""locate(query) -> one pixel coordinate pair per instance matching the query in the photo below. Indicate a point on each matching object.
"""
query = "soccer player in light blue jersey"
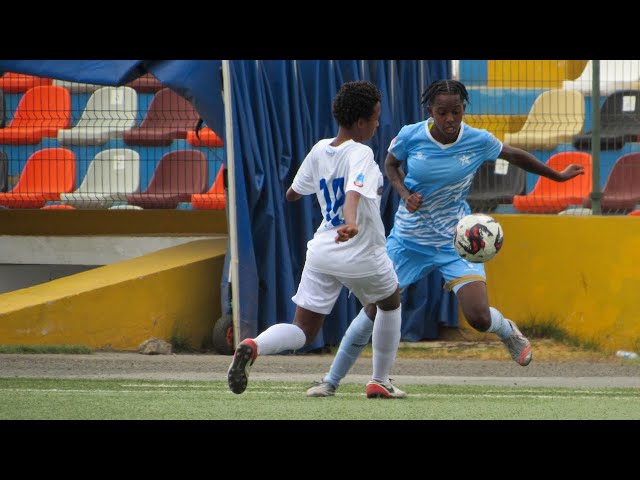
(442, 155)
(348, 248)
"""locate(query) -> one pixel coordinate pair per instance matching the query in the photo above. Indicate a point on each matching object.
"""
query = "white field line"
(617, 396)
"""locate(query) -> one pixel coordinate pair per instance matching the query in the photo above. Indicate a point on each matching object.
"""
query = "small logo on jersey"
(380, 190)
(359, 181)
(464, 158)
(420, 156)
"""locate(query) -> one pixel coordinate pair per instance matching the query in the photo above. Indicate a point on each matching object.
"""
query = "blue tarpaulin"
(281, 108)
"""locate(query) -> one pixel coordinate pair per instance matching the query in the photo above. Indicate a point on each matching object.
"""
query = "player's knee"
(390, 303)
(479, 318)
(371, 310)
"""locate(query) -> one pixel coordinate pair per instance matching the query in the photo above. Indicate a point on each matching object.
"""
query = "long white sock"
(353, 342)
(386, 336)
(280, 337)
(499, 325)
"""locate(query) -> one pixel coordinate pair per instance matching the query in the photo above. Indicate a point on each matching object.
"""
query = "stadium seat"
(619, 122)
(555, 117)
(77, 87)
(205, 138)
(532, 73)
(614, 75)
(111, 175)
(110, 111)
(214, 199)
(577, 212)
(548, 196)
(41, 112)
(169, 117)
(47, 173)
(498, 125)
(178, 175)
(495, 182)
(125, 207)
(4, 172)
(3, 113)
(621, 192)
(146, 84)
(58, 206)
(20, 83)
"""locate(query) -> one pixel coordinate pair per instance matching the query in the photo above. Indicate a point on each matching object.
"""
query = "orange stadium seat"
(3, 114)
(58, 207)
(47, 173)
(20, 83)
(548, 196)
(207, 138)
(214, 199)
(42, 111)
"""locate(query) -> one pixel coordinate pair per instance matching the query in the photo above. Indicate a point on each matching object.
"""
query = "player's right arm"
(304, 183)
(395, 174)
(350, 211)
(292, 195)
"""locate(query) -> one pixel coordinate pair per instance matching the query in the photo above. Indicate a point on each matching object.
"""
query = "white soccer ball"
(478, 238)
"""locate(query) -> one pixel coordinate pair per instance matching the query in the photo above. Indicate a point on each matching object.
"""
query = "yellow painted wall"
(532, 73)
(171, 292)
(582, 271)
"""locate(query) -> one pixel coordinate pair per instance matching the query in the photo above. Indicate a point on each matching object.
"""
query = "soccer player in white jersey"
(442, 155)
(348, 249)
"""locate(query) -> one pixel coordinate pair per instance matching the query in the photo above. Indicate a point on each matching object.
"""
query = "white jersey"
(331, 172)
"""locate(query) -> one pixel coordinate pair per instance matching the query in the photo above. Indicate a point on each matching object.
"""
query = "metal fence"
(562, 112)
(67, 145)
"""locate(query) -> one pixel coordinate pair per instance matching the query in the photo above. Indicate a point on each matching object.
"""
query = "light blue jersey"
(442, 174)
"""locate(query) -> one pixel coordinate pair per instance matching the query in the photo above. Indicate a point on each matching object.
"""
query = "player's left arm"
(528, 162)
(349, 210)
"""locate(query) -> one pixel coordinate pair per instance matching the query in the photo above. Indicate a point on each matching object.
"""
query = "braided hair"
(444, 87)
(355, 100)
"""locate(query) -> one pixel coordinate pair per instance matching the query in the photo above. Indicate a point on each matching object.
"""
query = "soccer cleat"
(243, 358)
(519, 346)
(321, 389)
(377, 389)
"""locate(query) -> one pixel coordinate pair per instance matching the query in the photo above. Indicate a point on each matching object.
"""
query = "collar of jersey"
(429, 124)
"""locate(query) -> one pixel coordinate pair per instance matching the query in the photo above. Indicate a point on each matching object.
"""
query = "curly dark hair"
(355, 100)
(444, 87)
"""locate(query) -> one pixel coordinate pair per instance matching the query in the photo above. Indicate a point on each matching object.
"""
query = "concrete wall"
(171, 292)
(582, 271)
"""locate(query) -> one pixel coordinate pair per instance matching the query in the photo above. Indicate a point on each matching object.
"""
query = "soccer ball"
(478, 238)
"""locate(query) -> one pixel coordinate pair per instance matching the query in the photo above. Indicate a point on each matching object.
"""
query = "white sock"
(280, 337)
(386, 336)
(499, 325)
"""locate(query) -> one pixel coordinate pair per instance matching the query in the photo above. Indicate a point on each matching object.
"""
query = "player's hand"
(345, 232)
(571, 171)
(413, 202)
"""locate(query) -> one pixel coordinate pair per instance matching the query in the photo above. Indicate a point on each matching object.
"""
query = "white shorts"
(319, 292)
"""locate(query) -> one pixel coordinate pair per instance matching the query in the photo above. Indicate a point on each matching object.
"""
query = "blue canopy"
(280, 109)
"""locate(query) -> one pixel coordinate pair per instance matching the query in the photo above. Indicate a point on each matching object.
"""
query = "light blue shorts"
(412, 265)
